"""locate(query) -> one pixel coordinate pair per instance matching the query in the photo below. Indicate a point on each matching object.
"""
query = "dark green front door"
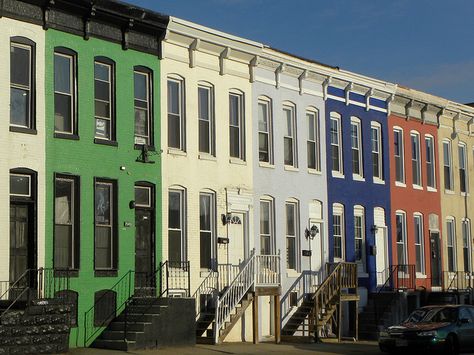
(144, 247)
(21, 246)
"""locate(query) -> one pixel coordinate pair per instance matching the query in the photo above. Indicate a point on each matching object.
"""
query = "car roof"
(446, 306)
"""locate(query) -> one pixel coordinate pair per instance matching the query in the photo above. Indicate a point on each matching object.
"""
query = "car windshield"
(433, 315)
(417, 316)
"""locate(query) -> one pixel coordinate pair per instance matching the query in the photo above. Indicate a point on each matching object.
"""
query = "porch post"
(277, 313)
(255, 319)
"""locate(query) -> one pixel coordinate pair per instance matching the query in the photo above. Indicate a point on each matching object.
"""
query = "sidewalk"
(343, 348)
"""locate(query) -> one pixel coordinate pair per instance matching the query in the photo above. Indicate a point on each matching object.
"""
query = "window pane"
(19, 107)
(205, 249)
(234, 142)
(143, 196)
(20, 185)
(102, 128)
(262, 117)
(102, 204)
(174, 245)
(288, 151)
(20, 65)
(103, 247)
(234, 110)
(204, 143)
(311, 127)
(63, 201)
(203, 103)
(174, 210)
(205, 212)
(102, 71)
(140, 86)
(62, 74)
(264, 217)
(62, 113)
(102, 90)
(174, 136)
(63, 246)
(291, 253)
(311, 155)
(290, 219)
(102, 109)
(289, 122)
(173, 97)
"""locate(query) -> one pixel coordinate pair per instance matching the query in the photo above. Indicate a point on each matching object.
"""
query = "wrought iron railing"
(207, 293)
(175, 278)
(457, 280)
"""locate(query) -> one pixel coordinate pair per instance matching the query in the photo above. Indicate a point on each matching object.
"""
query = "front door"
(381, 256)
(144, 247)
(435, 259)
(236, 246)
(21, 243)
(317, 250)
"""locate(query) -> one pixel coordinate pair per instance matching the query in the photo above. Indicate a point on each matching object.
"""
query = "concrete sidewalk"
(332, 348)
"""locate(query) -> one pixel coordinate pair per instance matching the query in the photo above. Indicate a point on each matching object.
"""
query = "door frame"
(151, 208)
(245, 230)
(440, 262)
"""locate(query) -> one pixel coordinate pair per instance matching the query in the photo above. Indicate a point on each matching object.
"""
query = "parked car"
(447, 329)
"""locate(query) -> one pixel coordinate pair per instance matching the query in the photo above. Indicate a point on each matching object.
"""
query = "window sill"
(65, 272)
(267, 165)
(73, 137)
(178, 152)
(292, 273)
(291, 168)
(140, 147)
(314, 172)
(431, 189)
(378, 181)
(449, 192)
(356, 177)
(417, 187)
(23, 130)
(105, 273)
(105, 142)
(419, 275)
(208, 157)
(400, 184)
(337, 175)
(464, 194)
(237, 161)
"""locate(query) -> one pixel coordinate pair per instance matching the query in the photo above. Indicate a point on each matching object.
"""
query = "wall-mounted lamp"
(225, 218)
(131, 204)
(311, 233)
(374, 228)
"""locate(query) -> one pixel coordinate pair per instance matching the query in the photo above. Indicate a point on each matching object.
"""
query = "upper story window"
(399, 155)
(448, 166)
(104, 99)
(265, 132)
(356, 147)
(415, 158)
(313, 145)
(430, 162)
(376, 147)
(338, 231)
(143, 99)
(65, 115)
(336, 143)
(451, 243)
(463, 176)
(206, 119)
(22, 84)
(176, 128)
(236, 125)
(289, 140)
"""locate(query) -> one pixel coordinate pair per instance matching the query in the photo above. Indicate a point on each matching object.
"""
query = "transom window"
(399, 155)
(20, 185)
(143, 196)
(265, 136)
(415, 158)
(430, 162)
(176, 113)
(103, 99)
(448, 166)
(236, 126)
(376, 144)
(142, 106)
(356, 147)
(313, 145)
(64, 91)
(336, 143)
(206, 119)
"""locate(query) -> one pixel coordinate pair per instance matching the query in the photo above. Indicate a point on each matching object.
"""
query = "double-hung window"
(22, 88)
(289, 139)
(65, 115)
(291, 233)
(338, 231)
(430, 162)
(419, 246)
(399, 152)
(313, 145)
(105, 220)
(266, 227)
(236, 125)
(466, 244)
(206, 228)
(359, 236)
(451, 243)
(265, 136)
(448, 166)
(415, 158)
(176, 129)
(463, 177)
(206, 119)
(143, 94)
(356, 147)
(176, 223)
(66, 222)
(104, 99)
(336, 143)
(401, 228)
(376, 146)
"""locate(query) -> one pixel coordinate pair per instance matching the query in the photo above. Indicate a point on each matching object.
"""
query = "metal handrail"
(209, 286)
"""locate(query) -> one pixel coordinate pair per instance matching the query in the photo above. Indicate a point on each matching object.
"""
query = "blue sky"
(424, 44)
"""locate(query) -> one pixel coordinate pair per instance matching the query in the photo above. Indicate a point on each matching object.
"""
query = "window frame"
(148, 73)
(356, 122)
(359, 212)
(419, 243)
(336, 117)
(401, 259)
(448, 168)
(451, 244)
(211, 119)
(430, 162)
(271, 229)
(182, 220)
(416, 159)
(74, 134)
(379, 153)
(294, 237)
(463, 168)
(264, 101)
(241, 127)
(338, 211)
(25, 43)
(400, 148)
(212, 231)
(112, 102)
(291, 108)
(467, 246)
(180, 116)
(317, 139)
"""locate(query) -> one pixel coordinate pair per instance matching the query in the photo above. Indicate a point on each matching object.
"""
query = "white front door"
(381, 257)
(317, 250)
(236, 246)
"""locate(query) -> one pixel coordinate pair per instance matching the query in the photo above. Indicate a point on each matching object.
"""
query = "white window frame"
(288, 237)
(267, 103)
(271, 213)
(466, 243)
(463, 167)
(399, 153)
(182, 220)
(212, 231)
(338, 211)
(179, 116)
(71, 94)
(336, 117)
(419, 243)
(359, 213)
(313, 114)
(25, 88)
(378, 152)
(357, 149)
(430, 162)
(29, 184)
(401, 259)
(241, 125)
(448, 165)
(110, 117)
(416, 159)
(210, 120)
(451, 243)
(291, 109)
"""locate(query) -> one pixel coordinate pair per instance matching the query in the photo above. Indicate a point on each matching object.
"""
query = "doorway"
(381, 256)
(435, 259)
(316, 245)
(236, 249)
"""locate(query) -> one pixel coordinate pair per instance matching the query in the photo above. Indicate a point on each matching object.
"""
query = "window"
(451, 241)
(419, 247)
(143, 196)
(105, 254)
(448, 169)
(206, 228)
(398, 151)
(104, 100)
(206, 119)
(266, 227)
(338, 231)
(336, 144)
(66, 222)
(430, 162)
(415, 158)
(313, 145)
(463, 177)
(376, 144)
(291, 233)
(65, 121)
(401, 225)
(176, 113)
(466, 244)
(265, 136)
(236, 125)
(143, 96)
(176, 220)
(289, 139)
(356, 147)
(22, 84)
(359, 236)
(20, 185)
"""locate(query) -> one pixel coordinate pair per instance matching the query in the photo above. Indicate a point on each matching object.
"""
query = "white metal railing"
(206, 294)
(267, 270)
(4, 286)
(227, 274)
